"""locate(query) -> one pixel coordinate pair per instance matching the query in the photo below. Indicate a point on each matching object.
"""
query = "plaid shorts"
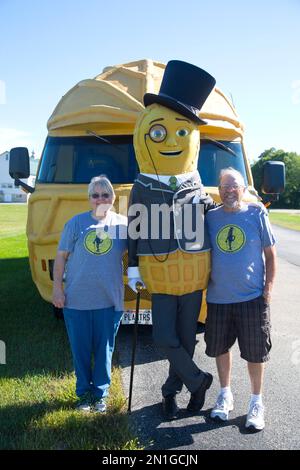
(249, 322)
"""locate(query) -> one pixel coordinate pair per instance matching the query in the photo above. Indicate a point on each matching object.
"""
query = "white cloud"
(10, 138)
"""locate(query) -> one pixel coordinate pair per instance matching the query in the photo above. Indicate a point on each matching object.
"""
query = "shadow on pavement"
(157, 434)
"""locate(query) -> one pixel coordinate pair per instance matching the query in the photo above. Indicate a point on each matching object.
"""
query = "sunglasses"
(103, 195)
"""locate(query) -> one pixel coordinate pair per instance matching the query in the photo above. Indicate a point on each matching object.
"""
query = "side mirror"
(19, 167)
(273, 177)
(19, 163)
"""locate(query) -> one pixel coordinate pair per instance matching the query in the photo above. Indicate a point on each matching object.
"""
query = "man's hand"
(267, 296)
(270, 257)
(258, 204)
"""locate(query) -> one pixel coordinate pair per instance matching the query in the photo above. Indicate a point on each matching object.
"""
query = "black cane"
(139, 287)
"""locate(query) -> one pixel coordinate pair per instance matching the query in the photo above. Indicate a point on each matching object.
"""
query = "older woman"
(90, 252)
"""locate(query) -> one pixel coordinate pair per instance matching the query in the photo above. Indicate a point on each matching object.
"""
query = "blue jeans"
(92, 338)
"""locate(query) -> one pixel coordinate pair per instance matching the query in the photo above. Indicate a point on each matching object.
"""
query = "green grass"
(37, 382)
(12, 219)
(286, 220)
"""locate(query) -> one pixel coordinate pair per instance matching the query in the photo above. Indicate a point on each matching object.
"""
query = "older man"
(239, 292)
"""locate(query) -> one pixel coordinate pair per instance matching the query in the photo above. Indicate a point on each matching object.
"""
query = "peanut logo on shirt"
(97, 242)
(230, 239)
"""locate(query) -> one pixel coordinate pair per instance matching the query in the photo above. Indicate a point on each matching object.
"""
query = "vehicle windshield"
(78, 159)
(215, 157)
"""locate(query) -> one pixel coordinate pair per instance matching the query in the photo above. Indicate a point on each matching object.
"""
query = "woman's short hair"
(102, 181)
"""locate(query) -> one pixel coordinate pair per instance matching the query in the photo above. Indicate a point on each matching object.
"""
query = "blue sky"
(252, 48)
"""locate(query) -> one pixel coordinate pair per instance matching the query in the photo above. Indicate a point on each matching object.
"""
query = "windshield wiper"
(222, 146)
(105, 140)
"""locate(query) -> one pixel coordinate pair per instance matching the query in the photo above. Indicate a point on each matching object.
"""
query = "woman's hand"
(58, 297)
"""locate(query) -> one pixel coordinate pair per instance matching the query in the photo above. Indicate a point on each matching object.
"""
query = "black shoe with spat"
(198, 397)
(169, 407)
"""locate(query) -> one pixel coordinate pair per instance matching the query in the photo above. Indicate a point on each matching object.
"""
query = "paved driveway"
(282, 380)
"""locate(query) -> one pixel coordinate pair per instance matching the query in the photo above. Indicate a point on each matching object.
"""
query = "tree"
(291, 196)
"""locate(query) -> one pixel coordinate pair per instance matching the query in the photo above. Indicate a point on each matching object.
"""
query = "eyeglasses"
(103, 195)
(231, 186)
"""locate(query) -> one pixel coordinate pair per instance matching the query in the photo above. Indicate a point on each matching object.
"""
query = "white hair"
(102, 181)
(232, 172)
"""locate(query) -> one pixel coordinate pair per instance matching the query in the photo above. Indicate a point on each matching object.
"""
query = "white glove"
(133, 281)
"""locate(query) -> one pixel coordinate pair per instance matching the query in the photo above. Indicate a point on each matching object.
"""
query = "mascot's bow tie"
(173, 183)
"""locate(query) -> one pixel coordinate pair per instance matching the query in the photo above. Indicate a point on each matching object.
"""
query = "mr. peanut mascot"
(175, 268)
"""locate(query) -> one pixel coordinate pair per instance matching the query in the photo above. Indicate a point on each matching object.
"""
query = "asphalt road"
(288, 246)
(282, 378)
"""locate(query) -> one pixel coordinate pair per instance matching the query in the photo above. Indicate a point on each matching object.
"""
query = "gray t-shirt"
(238, 240)
(94, 269)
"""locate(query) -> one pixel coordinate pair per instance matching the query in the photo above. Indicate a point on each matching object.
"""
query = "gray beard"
(232, 205)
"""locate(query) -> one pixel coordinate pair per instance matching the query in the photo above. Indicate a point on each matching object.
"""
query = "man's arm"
(270, 257)
(58, 296)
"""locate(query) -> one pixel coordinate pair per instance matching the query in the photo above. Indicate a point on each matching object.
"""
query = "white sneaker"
(255, 416)
(100, 406)
(84, 403)
(222, 407)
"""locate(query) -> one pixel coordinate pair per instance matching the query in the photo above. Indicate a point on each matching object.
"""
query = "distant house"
(8, 191)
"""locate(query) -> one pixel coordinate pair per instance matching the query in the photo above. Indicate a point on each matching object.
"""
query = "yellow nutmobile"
(90, 132)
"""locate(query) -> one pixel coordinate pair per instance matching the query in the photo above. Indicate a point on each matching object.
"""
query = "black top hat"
(184, 88)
